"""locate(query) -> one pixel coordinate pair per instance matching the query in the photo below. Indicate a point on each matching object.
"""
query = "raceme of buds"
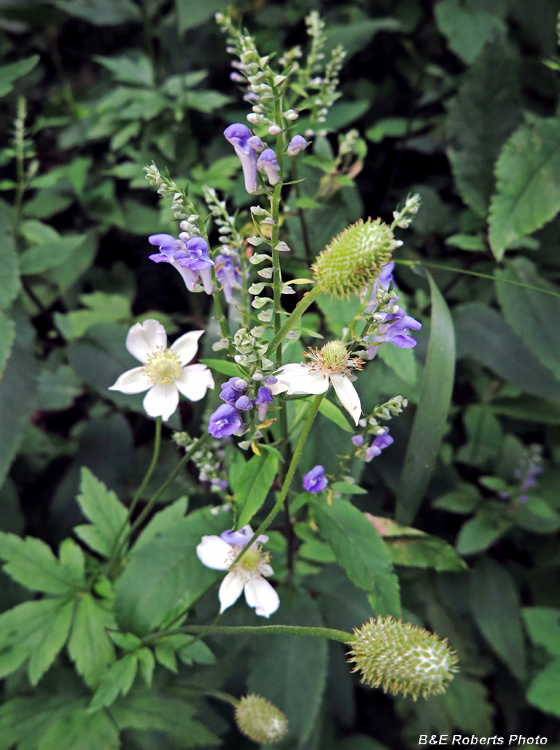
(355, 258)
(260, 720)
(402, 658)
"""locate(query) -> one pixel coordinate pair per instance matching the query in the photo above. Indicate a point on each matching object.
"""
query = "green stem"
(289, 476)
(490, 277)
(219, 695)
(301, 307)
(277, 278)
(118, 543)
(334, 635)
(170, 479)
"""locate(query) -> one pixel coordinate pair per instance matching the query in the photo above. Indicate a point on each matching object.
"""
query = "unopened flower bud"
(260, 720)
(402, 658)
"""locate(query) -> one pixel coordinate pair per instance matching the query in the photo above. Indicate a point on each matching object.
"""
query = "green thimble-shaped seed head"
(402, 658)
(354, 258)
(260, 720)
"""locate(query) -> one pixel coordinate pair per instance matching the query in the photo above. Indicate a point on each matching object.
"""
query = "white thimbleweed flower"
(165, 372)
(331, 364)
(219, 553)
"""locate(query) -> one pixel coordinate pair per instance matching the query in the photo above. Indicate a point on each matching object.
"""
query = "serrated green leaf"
(165, 654)
(43, 257)
(23, 630)
(106, 513)
(483, 114)
(150, 710)
(162, 521)
(117, 681)
(291, 672)
(89, 646)
(102, 308)
(13, 71)
(463, 499)
(544, 690)
(126, 641)
(430, 421)
(24, 721)
(136, 69)
(467, 26)
(528, 184)
(81, 731)
(32, 563)
(166, 572)
(360, 550)
(332, 412)
(253, 487)
(543, 626)
(494, 602)
(147, 664)
(529, 313)
(53, 638)
(481, 531)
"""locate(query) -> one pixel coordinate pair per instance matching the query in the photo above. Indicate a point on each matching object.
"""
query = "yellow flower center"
(333, 358)
(163, 367)
(251, 559)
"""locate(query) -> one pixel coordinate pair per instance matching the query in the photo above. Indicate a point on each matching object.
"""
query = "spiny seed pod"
(260, 720)
(354, 258)
(402, 658)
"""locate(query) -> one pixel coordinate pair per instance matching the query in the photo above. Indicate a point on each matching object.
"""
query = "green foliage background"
(458, 101)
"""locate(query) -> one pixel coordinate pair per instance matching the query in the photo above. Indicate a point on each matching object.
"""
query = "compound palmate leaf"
(528, 184)
(106, 513)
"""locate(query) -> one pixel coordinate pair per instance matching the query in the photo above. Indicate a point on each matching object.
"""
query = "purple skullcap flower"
(358, 440)
(243, 403)
(530, 480)
(173, 251)
(238, 135)
(394, 330)
(264, 398)
(380, 442)
(297, 144)
(196, 257)
(228, 274)
(270, 380)
(230, 392)
(267, 163)
(224, 421)
(315, 480)
(256, 143)
(239, 384)
(241, 537)
(384, 280)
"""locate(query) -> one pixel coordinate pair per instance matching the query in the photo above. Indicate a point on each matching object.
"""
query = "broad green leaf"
(33, 629)
(360, 550)
(530, 313)
(9, 263)
(191, 14)
(484, 436)
(106, 513)
(101, 13)
(102, 308)
(430, 421)
(136, 69)
(58, 389)
(483, 114)
(165, 713)
(290, 671)
(393, 127)
(223, 366)
(347, 488)
(481, 531)
(13, 71)
(494, 602)
(41, 258)
(81, 731)
(528, 184)
(26, 720)
(253, 487)
(18, 388)
(543, 626)
(528, 408)
(537, 516)
(53, 639)
(401, 361)
(486, 337)
(166, 572)
(468, 26)
(463, 499)
(359, 34)
(332, 412)
(162, 521)
(7, 336)
(544, 690)
(32, 563)
(89, 646)
(117, 681)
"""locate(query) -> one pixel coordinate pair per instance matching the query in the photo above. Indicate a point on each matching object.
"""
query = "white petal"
(186, 346)
(145, 338)
(132, 381)
(301, 378)
(214, 553)
(161, 401)
(348, 395)
(265, 569)
(194, 381)
(262, 596)
(230, 590)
